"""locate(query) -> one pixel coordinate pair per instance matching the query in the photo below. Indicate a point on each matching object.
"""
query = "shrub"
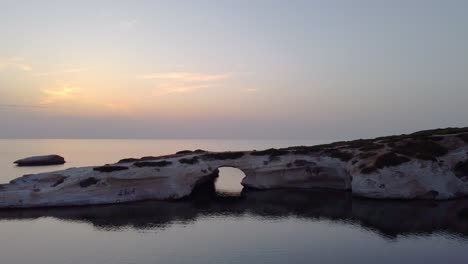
(341, 155)
(424, 150)
(142, 164)
(110, 168)
(464, 137)
(88, 182)
(271, 152)
(128, 160)
(183, 152)
(190, 161)
(461, 169)
(222, 155)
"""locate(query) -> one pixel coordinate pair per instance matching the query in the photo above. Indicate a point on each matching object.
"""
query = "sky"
(231, 69)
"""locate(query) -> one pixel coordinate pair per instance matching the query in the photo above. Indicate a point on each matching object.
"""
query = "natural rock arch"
(422, 165)
(229, 180)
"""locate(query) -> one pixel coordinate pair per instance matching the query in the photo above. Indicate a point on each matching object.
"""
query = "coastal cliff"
(430, 164)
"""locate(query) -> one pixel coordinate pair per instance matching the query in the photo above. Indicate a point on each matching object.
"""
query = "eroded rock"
(424, 165)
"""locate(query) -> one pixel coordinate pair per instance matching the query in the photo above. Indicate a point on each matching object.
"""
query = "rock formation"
(424, 165)
(41, 161)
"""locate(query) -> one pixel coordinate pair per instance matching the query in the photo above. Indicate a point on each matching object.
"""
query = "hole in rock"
(228, 182)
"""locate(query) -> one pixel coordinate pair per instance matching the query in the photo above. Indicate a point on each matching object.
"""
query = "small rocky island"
(46, 160)
(431, 164)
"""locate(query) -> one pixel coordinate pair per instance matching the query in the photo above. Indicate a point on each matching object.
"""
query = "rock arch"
(229, 180)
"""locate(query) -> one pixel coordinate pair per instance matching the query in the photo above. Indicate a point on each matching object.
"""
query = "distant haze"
(231, 69)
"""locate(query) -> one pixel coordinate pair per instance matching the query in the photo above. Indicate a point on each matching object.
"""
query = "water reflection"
(386, 218)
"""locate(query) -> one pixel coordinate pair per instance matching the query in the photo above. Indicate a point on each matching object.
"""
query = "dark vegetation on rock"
(371, 146)
(128, 160)
(432, 194)
(190, 161)
(366, 155)
(424, 150)
(197, 151)
(464, 137)
(361, 144)
(338, 154)
(162, 163)
(433, 134)
(222, 155)
(441, 131)
(300, 163)
(386, 160)
(149, 158)
(183, 152)
(58, 182)
(88, 182)
(304, 150)
(270, 152)
(110, 168)
(461, 169)
(463, 213)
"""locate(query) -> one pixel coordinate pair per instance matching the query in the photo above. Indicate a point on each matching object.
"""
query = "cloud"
(127, 24)
(181, 82)
(185, 76)
(251, 90)
(52, 95)
(20, 106)
(62, 72)
(171, 89)
(14, 64)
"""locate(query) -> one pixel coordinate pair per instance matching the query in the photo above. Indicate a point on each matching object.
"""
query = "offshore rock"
(41, 161)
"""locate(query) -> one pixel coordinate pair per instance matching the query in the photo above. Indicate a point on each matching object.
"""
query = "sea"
(224, 223)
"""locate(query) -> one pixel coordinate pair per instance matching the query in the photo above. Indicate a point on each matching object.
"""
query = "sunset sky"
(231, 69)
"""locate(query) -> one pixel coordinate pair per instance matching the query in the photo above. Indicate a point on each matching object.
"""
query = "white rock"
(357, 166)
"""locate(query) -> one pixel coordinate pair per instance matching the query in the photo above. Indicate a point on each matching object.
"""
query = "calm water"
(222, 223)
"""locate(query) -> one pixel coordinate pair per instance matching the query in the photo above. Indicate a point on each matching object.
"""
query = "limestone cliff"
(424, 165)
